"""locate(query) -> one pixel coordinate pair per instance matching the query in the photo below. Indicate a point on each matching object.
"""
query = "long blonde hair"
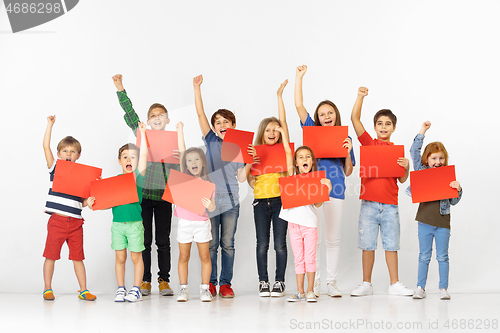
(259, 138)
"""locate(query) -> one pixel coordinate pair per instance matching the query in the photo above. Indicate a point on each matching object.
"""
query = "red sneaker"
(212, 289)
(226, 291)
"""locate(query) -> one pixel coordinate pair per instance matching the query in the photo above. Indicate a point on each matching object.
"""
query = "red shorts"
(62, 229)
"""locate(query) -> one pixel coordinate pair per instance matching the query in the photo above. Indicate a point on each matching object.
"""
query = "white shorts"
(194, 231)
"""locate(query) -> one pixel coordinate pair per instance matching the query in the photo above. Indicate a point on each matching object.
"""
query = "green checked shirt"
(156, 173)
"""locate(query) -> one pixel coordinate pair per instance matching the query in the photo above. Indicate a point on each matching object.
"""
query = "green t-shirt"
(130, 212)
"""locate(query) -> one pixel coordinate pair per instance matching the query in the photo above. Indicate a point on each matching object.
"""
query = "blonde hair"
(431, 148)
(127, 146)
(69, 141)
(259, 138)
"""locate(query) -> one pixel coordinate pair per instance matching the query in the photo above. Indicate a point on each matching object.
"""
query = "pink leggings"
(303, 241)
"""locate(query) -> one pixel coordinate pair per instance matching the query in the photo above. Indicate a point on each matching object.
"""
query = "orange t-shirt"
(384, 189)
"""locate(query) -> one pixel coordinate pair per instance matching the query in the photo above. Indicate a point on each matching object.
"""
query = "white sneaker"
(310, 297)
(400, 289)
(120, 295)
(363, 289)
(419, 294)
(333, 290)
(183, 294)
(134, 295)
(444, 294)
(205, 295)
(317, 287)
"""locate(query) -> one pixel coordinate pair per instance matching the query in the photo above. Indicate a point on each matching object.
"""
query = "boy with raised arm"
(225, 176)
(152, 203)
(379, 204)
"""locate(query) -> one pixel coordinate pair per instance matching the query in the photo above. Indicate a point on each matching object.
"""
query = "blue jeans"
(266, 211)
(374, 216)
(224, 219)
(442, 236)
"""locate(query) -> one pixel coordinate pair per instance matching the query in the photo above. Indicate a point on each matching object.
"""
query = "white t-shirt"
(303, 215)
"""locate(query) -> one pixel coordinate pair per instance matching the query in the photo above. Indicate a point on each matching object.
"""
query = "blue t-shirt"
(333, 168)
(222, 174)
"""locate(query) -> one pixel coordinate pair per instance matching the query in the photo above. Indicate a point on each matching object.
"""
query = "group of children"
(132, 226)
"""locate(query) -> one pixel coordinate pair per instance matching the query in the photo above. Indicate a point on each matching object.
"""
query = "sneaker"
(120, 294)
(444, 294)
(264, 290)
(333, 290)
(278, 289)
(363, 289)
(297, 297)
(164, 288)
(145, 288)
(419, 294)
(134, 295)
(226, 291)
(183, 294)
(48, 295)
(400, 289)
(86, 295)
(205, 294)
(311, 297)
(317, 287)
(213, 289)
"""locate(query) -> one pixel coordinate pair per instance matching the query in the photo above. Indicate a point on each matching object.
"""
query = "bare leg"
(368, 260)
(80, 274)
(48, 272)
(138, 267)
(391, 258)
(310, 281)
(120, 259)
(182, 266)
(206, 264)
(300, 283)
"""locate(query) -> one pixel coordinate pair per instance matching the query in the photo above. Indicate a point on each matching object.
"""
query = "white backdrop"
(425, 60)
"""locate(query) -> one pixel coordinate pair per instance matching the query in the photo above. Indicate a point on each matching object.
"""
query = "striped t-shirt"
(60, 203)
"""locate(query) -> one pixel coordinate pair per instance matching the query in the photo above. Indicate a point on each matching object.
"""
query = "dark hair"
(337, 113)
(259, 138)
(69, 141)
(387, 113)
(127, 146)
(313, 167)
(223, 113)
(157, 106)
(201, 153)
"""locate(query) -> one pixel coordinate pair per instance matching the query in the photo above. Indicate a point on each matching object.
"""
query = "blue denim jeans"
(267, 211)
(224, 220)
(426, 233)
(374, 216)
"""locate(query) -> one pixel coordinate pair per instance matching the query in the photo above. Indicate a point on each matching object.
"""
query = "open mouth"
(328, 122)
(128, 167)
(305, 166)
(194, 170)
(271, 138)
(68, 159)
(223, 131)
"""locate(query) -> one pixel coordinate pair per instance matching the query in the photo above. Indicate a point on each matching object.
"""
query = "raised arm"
(180, 139)
(288, 152)
(46, 141)
(416, 146)
(130, 116)
(202, 118)
(143, 155)
(281, 110)
(299, 100)
(356, 111)
(118, 81)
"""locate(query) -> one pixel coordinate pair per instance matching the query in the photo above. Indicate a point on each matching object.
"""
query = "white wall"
(425, 60)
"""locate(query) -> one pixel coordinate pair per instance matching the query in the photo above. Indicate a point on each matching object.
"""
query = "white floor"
(250, 313)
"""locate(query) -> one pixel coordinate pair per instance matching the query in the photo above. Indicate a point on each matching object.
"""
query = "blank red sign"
(433, 184)
(74, 179)
(380, 161)
(235, 146)
(271, 159)
(303, 189)
(325, 141)
(161, 146)
(114, 191)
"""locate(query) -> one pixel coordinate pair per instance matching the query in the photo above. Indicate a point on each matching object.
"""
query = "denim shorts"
(374, 215)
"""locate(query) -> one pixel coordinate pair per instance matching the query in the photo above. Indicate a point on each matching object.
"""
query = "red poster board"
(114, 191)
(235, 146)
(303, 189)
(433, 184)
(161, 146)
(74, 178)
(325, 141)
(187, 191)
(381, 161)
(271, 159)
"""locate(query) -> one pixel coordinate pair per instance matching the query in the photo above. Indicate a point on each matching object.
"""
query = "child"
(379, 204)
(336, 169)
(194, 227)
(433, 217)
(302, 224)
(127, 230)
(225, 176)
(65, 222)
(152, 203)
(267, 206)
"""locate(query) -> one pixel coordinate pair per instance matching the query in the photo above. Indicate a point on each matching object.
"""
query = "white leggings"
(332, 213)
